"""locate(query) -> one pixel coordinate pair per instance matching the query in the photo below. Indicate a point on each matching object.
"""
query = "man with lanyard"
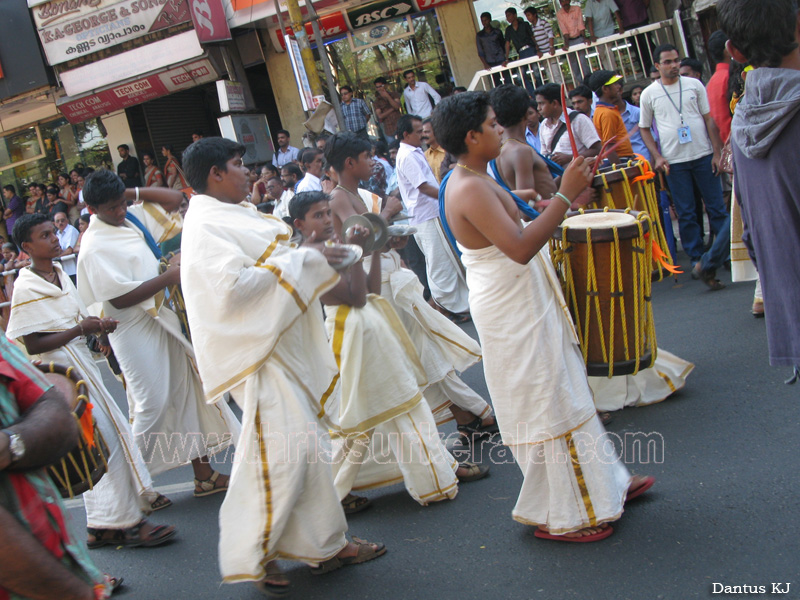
(690, 147)
(356, 112)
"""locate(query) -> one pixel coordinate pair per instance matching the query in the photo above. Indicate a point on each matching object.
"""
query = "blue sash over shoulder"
(523, 206)
(148, 237)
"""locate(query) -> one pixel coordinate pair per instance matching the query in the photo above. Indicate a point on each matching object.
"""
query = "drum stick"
(567, 121)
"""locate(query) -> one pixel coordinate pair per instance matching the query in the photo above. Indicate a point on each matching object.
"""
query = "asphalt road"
(724, 509)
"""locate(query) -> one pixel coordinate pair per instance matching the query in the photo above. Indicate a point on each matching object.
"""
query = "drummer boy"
(533, 365)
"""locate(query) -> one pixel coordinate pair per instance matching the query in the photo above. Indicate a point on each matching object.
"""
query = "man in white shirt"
(67, 237)
(285, 153)
(419, 191)
(312, 163)
(690, 146)
(420, 97)
(281, 197)
(553, 130)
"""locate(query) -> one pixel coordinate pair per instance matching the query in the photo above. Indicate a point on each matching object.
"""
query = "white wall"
(118, 132)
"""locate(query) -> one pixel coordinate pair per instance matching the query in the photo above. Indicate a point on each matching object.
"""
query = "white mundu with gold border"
(171, 422)
(385, 432)
(444, 349)
(126, 490)
(537, 379)
(256, 320)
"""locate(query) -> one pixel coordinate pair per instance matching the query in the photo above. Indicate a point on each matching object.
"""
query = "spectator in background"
(312, 164)
(573, 30)
(717, 88)
(175, 177)
(128, 168)
(655, 74)
(280, 196)
(198, 135)
(356, 113)
(15, 207)
(491, 44)
(543, 34)
(286, 154)
(291, 175)
(630, 116)
(387, 107)
(532, 129)
(690, 147)
(691, 67)
(35, 200)
(420, 98)
(553, 130)
(9, 255)
(634, 15)
(600, 16)
(67, 238)
(69, 193)
(81, 180)
(582, 100)
(55, 203)
(435, 153)
(636, 93)
(82, 225)
(153, 177)
(520, 35)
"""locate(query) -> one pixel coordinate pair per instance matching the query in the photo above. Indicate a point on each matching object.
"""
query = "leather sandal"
(365, 553)
(477, 428)
(131, 537)
(277, 586)
(209, 486)
(475, 472)
(353, 504)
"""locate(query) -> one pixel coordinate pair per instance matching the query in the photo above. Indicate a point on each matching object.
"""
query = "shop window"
(38, 154)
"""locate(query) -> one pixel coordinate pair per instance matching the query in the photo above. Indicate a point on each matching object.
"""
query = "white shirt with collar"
(412, 171)
(585, 132)
(309, 183)
(417, 101)
(282, 205)
(67, 239)
(282, 158)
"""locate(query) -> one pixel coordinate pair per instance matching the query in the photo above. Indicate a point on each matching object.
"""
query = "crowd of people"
(473, 190)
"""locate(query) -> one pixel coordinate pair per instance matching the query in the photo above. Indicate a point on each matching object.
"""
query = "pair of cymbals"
(377, 226)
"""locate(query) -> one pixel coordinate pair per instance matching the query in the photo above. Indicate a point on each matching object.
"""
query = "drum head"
(603, 223)
(600, 220)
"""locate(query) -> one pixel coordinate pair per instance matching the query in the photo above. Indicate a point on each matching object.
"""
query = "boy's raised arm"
(169, 199)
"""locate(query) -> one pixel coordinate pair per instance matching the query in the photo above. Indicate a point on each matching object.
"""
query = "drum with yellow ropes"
(604, 258)
(632, 185)
(81, 469)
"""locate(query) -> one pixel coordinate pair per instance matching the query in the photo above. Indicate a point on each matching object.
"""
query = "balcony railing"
(629, 54)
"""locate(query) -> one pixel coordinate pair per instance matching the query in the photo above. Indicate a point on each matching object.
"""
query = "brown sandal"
(208, 486)
(277, 586)
(365, 553)
(131, 537)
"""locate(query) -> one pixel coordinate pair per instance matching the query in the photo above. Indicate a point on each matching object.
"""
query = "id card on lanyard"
(684, 134)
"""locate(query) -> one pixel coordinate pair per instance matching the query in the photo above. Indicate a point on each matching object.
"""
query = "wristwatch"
(15, 445)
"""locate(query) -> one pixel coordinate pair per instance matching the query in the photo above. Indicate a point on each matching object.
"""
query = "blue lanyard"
(680, 92)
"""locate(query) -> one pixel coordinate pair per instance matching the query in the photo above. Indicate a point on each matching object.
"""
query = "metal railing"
(629, 54)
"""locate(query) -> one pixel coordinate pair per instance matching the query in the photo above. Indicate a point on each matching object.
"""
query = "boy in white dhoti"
(253, 303)
(49, 318)
(574, 483)
(442, 347)
(118, 277)
(386, 431)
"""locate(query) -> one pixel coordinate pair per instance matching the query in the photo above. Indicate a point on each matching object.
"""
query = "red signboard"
(330, 26)
(77, 110)
(209, 20)
(426, 4)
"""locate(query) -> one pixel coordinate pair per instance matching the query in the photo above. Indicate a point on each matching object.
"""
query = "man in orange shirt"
(607, 118)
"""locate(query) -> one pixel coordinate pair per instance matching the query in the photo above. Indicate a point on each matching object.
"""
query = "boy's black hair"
(302, 203)
(460, 89)
(654, 69)
(205, 153)
(550, 92)
(486, 14)
(762, 30)
(124, 146)
(381, 147)
(53, 190)
(308, 155)
(346, 87)
(511, 10)
(294, 170)
(407, 71)
(10, 188)
(663, 48)
(405, 124)
(344, 145)
(24, 225)
(510, 104)
(694, 64)
(455, 116)
(280, 131)
(380, 80)
(581, 90)
(102, 186)
(531, 9)
(716, 46)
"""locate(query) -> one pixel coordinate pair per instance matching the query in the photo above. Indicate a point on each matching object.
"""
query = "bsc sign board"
(376, 13)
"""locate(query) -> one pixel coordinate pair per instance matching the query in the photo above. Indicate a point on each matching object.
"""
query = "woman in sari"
(69, 193)
(152, 176)
(175, 177)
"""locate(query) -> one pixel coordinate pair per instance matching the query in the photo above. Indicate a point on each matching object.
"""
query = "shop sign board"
(252, 132)
(331, 25)
(300, 75)
(377, 12)
(231, 96)
(209, 20)
(175, 79)
(133, 63)
(72, 28)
